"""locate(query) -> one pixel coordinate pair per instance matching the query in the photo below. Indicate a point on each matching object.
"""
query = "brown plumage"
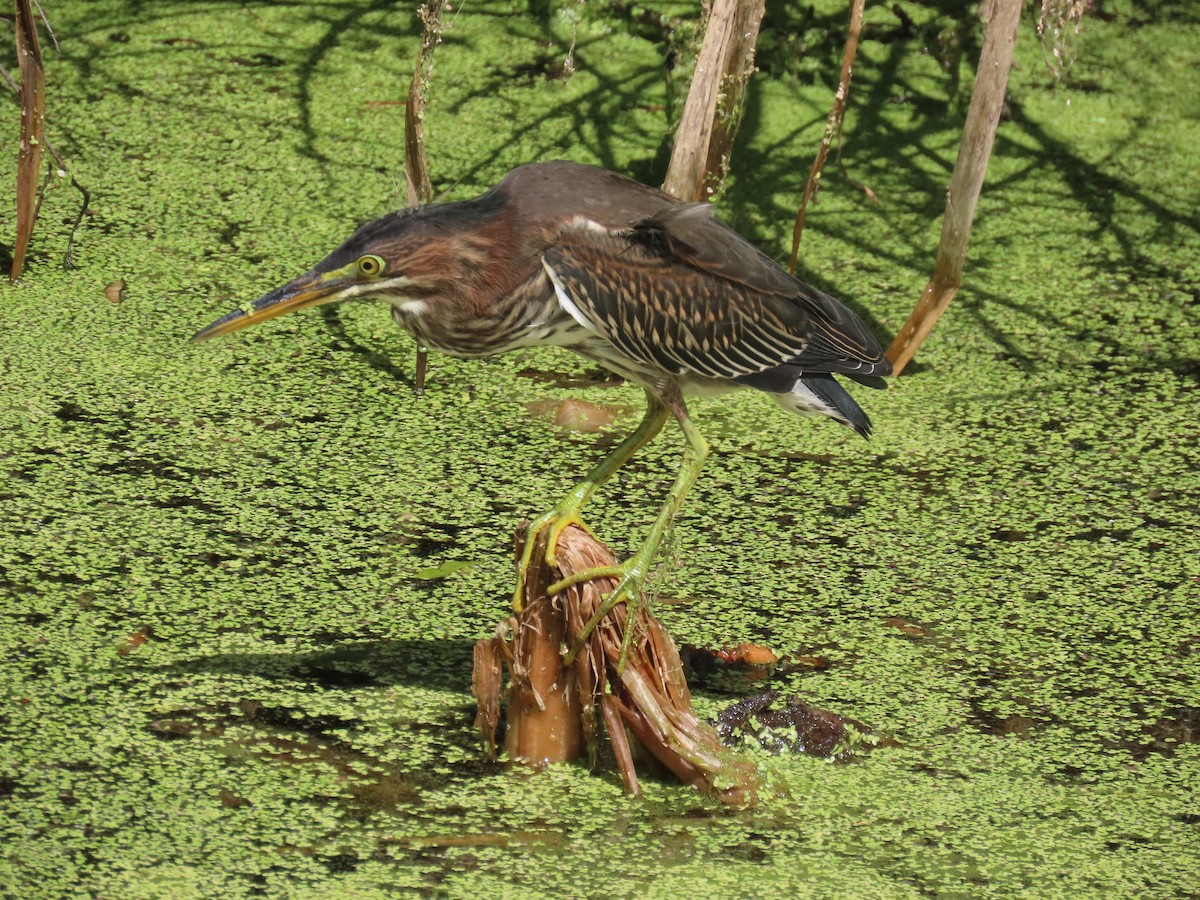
(579, 257)
(576, 256)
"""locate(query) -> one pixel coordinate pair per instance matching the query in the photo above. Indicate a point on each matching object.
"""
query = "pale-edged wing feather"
(682, 292)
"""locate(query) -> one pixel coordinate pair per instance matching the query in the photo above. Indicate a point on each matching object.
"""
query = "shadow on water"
(288, 734)
(770, 176)
(433, 663)
(377, 360)
(907, 145)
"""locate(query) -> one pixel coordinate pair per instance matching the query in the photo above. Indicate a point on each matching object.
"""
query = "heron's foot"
(631, 576)
(558, 520)
(557, 527)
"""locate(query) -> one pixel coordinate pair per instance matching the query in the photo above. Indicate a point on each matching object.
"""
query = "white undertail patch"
(804, 402)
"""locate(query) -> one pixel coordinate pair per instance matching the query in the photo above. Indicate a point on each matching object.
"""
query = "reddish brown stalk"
(416, 165)
(712, 113)
(33, 132)
(1001, 18)
(832, 127)
(622, 752)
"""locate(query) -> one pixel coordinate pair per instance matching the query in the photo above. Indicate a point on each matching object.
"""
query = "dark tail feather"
(871, 381)
(834, 395)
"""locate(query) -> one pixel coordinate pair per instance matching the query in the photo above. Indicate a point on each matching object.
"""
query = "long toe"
(628, 590)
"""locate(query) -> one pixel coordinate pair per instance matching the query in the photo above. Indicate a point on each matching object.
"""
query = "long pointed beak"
(310, 289)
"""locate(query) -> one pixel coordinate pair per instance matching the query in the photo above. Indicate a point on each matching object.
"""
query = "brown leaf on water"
(577, 415)
(115, 292)
(905, 627)
(133, 641)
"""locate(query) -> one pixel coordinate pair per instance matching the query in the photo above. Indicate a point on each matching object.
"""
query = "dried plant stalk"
(486, 675)
(33, 132)
(1001, 18)
(416, 165)
(544, 709)
(832, 127)
(552, 711)
(704, 138)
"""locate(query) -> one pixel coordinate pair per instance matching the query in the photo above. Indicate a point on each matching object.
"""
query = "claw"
(560, 524)
(631, 575)
(567, 511)
(585, 575)
(559, 521)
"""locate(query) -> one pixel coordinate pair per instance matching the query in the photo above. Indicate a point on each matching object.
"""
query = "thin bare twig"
(832, 127)
(49, 28)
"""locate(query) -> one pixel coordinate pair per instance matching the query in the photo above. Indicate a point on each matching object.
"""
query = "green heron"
(652, 288)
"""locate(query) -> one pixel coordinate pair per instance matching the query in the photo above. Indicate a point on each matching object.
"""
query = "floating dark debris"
(795, 727)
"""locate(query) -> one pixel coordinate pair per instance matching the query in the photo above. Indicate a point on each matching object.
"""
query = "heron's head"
(412, 259)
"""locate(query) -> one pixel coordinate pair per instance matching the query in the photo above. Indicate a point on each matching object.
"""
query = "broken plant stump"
(554, 710)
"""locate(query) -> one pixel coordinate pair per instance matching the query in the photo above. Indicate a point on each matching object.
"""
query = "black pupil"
(368, 266)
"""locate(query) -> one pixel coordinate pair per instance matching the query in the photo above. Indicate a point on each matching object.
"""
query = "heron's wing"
(682, 292)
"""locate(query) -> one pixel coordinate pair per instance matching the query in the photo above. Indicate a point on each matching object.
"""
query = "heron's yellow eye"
(371, 265)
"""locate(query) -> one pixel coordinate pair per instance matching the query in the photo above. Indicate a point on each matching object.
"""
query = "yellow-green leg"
(632, 573)
(567, 510)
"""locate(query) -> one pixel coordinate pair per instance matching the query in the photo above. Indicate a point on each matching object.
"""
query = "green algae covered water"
(240, 582)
